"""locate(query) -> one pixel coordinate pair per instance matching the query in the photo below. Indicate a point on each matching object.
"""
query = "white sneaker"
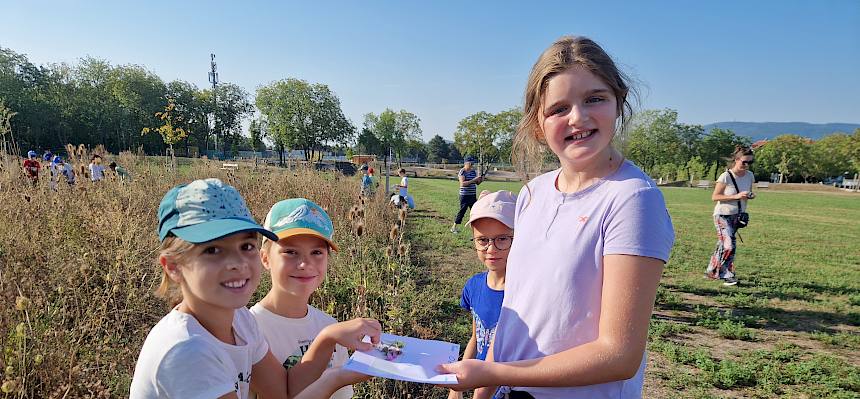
(454, 229)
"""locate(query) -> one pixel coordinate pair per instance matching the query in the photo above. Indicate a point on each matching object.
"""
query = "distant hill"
(769, 130)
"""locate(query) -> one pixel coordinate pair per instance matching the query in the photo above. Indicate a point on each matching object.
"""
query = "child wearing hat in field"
(31, 167)
(492, 222)
(66, 170)
(120, 172)
(209, 345)
(97, 170)
(297, 332)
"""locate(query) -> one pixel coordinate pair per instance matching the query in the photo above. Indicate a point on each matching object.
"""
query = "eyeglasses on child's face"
(747, 161)
(501, 242)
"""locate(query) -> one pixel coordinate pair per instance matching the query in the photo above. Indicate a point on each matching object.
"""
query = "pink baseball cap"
(499, 205)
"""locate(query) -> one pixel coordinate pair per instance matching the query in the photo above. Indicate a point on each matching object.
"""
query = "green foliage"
(369, 144)
(487, 136)
(787, 154)
(696, 167)
(664, 329)
(656, 139)
(94, 102)
(712, 172)
(6, 115)
(718, 145)
(393, 130)
(841, 339)
(303, 116)
(438, 149)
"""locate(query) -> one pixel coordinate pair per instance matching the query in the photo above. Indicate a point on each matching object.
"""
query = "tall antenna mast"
(213, 78)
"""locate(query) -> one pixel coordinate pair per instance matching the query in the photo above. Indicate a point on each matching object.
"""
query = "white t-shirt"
(289, 338)
(68, 172)
(181, 359)
(97, 172)
(55, 174)
(745, 183)
(404, 183)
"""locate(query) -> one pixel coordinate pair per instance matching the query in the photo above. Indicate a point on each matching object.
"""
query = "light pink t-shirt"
(554, 276)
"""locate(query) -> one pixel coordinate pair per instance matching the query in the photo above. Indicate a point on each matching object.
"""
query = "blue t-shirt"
(366, 181)
(485, 304)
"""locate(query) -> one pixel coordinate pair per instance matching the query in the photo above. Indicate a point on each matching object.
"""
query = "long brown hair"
(529, 147)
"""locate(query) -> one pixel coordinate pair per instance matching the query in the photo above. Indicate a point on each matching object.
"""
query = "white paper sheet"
(417, 363)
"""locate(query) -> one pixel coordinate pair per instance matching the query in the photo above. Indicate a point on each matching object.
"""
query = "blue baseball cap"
(470, 158)
(57, 159)
(205, 210)
(299, 216)
(31, 154)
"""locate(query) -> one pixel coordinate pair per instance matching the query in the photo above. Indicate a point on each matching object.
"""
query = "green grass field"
(789, 329)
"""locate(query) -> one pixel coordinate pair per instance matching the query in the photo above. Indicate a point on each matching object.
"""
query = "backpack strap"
(732, 176)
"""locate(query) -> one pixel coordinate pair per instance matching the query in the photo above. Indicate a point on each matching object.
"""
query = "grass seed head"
(22, 303)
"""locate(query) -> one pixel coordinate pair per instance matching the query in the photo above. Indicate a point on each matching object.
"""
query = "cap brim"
(487, 216)
(304, 232)
(215, 229)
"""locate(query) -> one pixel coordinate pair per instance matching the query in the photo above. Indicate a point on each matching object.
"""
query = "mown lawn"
(790, 329)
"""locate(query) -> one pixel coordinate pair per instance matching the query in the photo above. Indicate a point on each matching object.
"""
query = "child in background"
(55, 172)
(492, 223)
(591, 241)
(32, 167)
(120, 172)
(65, 169)
(97, 170)
(404, 184)
(298, 260)
(366, 181)
(209, 345)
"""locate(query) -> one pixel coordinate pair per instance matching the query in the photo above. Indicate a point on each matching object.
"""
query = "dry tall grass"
(77, 270)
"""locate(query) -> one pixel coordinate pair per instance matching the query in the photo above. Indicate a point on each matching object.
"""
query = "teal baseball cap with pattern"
(205, 210)
(299, 216)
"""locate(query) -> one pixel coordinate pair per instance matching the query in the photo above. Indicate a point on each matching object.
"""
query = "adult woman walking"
(469, 180)
(733, 189)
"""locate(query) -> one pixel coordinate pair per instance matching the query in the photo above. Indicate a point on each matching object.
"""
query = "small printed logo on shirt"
(245, 378)
(583, 219)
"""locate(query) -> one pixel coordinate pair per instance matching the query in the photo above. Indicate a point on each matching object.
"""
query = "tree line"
(670, 150)
(127, 107)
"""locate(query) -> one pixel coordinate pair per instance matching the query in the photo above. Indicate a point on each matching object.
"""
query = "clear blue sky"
(712, 61)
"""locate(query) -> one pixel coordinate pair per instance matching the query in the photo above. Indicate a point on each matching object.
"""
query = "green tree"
(455, 155)
(712, 171)
(506, 123)
(488, 136)
(788, 154)
(169, 131)
(438, 149)
(718, 145)
(8, 143)
(194, 106)
(232, 105)
(695, 169)
(417, 150)
(393, 129)
(655, 139)
(475, 135)
(831, 156)
(303, 116)
(256, 131)
(367, 143)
